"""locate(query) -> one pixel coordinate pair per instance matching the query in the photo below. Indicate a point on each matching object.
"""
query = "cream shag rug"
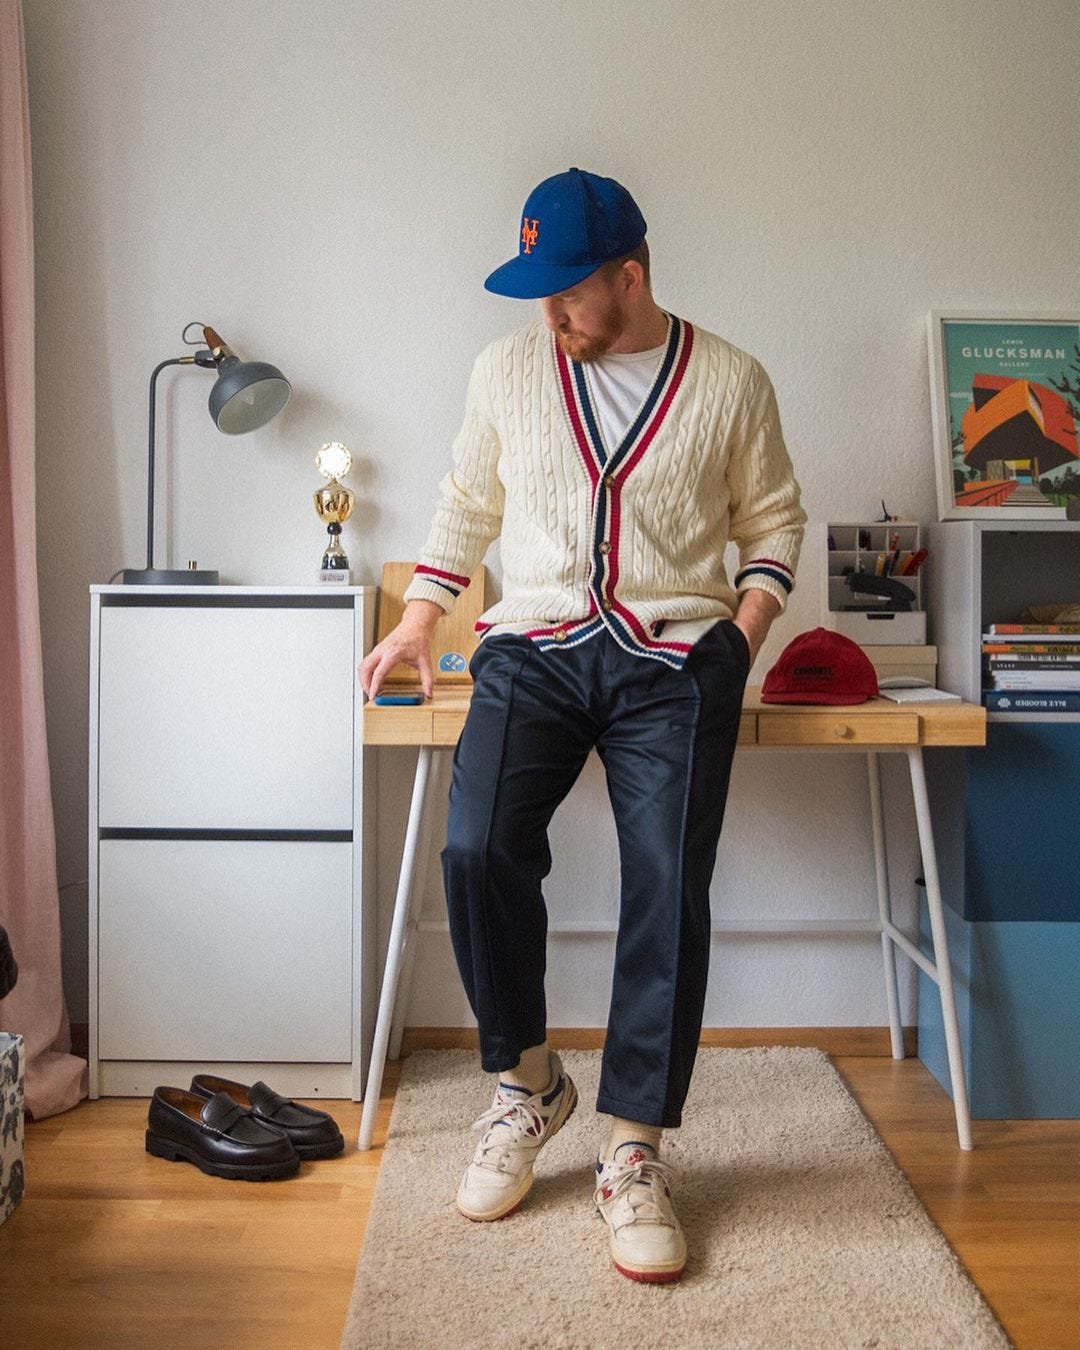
(802, 1230)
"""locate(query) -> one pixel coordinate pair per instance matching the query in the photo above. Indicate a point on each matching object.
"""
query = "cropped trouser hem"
(498, 1061)
(639, 1111)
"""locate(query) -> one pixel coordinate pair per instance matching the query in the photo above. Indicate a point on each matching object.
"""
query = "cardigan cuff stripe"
(453, 583)
(771, 562)
(773, 572)
(424, 588)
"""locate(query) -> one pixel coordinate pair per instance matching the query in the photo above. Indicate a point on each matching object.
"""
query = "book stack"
(1032, 667)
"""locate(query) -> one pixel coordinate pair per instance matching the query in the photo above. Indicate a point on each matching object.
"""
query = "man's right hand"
(409, 644)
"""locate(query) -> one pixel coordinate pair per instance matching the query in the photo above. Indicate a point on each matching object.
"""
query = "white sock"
(532, 1072)
(631, 1132)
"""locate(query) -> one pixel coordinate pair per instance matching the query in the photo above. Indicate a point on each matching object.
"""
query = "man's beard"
(579, 347)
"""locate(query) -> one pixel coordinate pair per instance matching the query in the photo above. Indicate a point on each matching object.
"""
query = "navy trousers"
(666, 738)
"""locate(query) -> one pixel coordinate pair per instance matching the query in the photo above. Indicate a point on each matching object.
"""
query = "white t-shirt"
(619, 382)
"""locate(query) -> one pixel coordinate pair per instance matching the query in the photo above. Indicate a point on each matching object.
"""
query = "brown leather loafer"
(314, 1134)
(217, 1135)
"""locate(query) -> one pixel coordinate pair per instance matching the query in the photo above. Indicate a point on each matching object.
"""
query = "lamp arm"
(174, 361)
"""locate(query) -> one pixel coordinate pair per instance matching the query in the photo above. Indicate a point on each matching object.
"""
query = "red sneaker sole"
(651, 1276)
(498, 1217)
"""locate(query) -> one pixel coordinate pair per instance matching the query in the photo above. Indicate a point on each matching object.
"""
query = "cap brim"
(523, 279)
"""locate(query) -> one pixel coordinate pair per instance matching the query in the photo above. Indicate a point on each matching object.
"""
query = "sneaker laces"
(636, 1186)
(495, 1150)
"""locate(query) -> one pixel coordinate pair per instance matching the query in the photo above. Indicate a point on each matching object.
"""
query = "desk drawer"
(842, 727)
(403, 725)
(446, 727)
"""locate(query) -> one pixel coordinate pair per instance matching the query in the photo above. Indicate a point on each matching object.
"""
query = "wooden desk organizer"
(455, 637)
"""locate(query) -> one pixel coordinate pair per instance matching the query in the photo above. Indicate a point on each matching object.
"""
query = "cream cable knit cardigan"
(630, 538)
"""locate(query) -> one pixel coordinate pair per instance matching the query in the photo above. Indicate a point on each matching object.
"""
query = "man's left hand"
(755, 614)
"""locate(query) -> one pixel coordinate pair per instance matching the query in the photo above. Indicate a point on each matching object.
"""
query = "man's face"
(588, 319)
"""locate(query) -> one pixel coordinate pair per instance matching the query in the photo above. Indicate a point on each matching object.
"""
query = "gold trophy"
(334, 504)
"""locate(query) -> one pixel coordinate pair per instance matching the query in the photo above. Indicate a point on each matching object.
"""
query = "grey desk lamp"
(245, 396)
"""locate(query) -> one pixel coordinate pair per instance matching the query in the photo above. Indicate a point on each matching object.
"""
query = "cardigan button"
(608, 605)
(609, 480)
(605, 547)
(559, 635)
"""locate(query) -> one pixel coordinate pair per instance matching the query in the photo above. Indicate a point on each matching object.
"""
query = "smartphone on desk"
(385, 700)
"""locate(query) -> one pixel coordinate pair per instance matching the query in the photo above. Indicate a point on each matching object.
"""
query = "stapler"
(892, 595)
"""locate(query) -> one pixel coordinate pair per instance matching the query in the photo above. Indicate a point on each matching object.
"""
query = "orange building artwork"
(1014, 432)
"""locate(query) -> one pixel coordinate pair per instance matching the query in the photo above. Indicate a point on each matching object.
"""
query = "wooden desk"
(873, 728)
(879, 722)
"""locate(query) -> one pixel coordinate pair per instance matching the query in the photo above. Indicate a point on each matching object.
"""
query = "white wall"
(329, 184)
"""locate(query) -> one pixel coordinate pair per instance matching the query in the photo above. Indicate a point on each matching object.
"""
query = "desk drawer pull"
(857, 728)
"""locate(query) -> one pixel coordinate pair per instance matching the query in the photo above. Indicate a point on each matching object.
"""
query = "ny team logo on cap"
(529, 230)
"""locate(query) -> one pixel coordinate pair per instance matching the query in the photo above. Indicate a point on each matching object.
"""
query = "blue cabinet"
(1018, 1008)
(1006, 828)
(1022, 852)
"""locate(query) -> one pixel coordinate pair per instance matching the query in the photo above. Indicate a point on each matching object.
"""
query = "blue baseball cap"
(570, 225)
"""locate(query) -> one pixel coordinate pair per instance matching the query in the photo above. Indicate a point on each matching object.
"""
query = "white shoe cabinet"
(227, 929)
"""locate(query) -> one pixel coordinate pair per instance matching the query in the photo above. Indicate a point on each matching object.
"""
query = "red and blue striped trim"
(449, 581)
(606, 477)
(630, 633)
(575, 633)
(593, 466)
(767, 567)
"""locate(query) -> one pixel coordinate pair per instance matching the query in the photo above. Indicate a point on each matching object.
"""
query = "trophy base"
(168, 576)
(340, 576)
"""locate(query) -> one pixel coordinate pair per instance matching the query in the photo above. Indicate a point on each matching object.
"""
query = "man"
(616, 449)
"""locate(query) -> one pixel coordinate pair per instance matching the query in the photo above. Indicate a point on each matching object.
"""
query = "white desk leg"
(881, 871)
(394, 949)
(412, 937)
(941, 946)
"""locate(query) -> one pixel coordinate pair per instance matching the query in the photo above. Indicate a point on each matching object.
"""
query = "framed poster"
(1005, 400)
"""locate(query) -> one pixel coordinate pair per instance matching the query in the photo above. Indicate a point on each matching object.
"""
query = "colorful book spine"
(1043, 701)
(1039, 648)
(997, 629)
(1034, 661)
(1054, 685)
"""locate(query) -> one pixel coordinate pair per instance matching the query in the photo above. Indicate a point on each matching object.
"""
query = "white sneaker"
(633, 1197)
(516, 1128)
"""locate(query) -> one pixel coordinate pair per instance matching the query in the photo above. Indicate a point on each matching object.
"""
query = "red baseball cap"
(821, 667)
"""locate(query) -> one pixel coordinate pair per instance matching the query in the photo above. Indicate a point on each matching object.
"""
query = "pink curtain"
(29, 905)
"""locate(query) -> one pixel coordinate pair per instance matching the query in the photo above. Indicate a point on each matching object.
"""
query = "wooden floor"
(111, 1247)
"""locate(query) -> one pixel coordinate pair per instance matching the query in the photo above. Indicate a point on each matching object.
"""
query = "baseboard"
(869, 1041)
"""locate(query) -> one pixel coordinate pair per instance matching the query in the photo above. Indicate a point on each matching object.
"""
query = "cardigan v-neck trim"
(581, 414)
(607, 474)
(586, 374)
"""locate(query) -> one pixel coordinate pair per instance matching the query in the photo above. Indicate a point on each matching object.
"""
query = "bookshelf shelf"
(987, 572)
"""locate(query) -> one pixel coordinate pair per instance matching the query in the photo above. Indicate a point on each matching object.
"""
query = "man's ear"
(632, 278)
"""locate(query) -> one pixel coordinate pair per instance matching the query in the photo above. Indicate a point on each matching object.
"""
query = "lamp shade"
(246, 395)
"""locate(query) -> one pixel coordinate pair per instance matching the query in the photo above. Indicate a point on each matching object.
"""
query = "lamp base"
(164, 576)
